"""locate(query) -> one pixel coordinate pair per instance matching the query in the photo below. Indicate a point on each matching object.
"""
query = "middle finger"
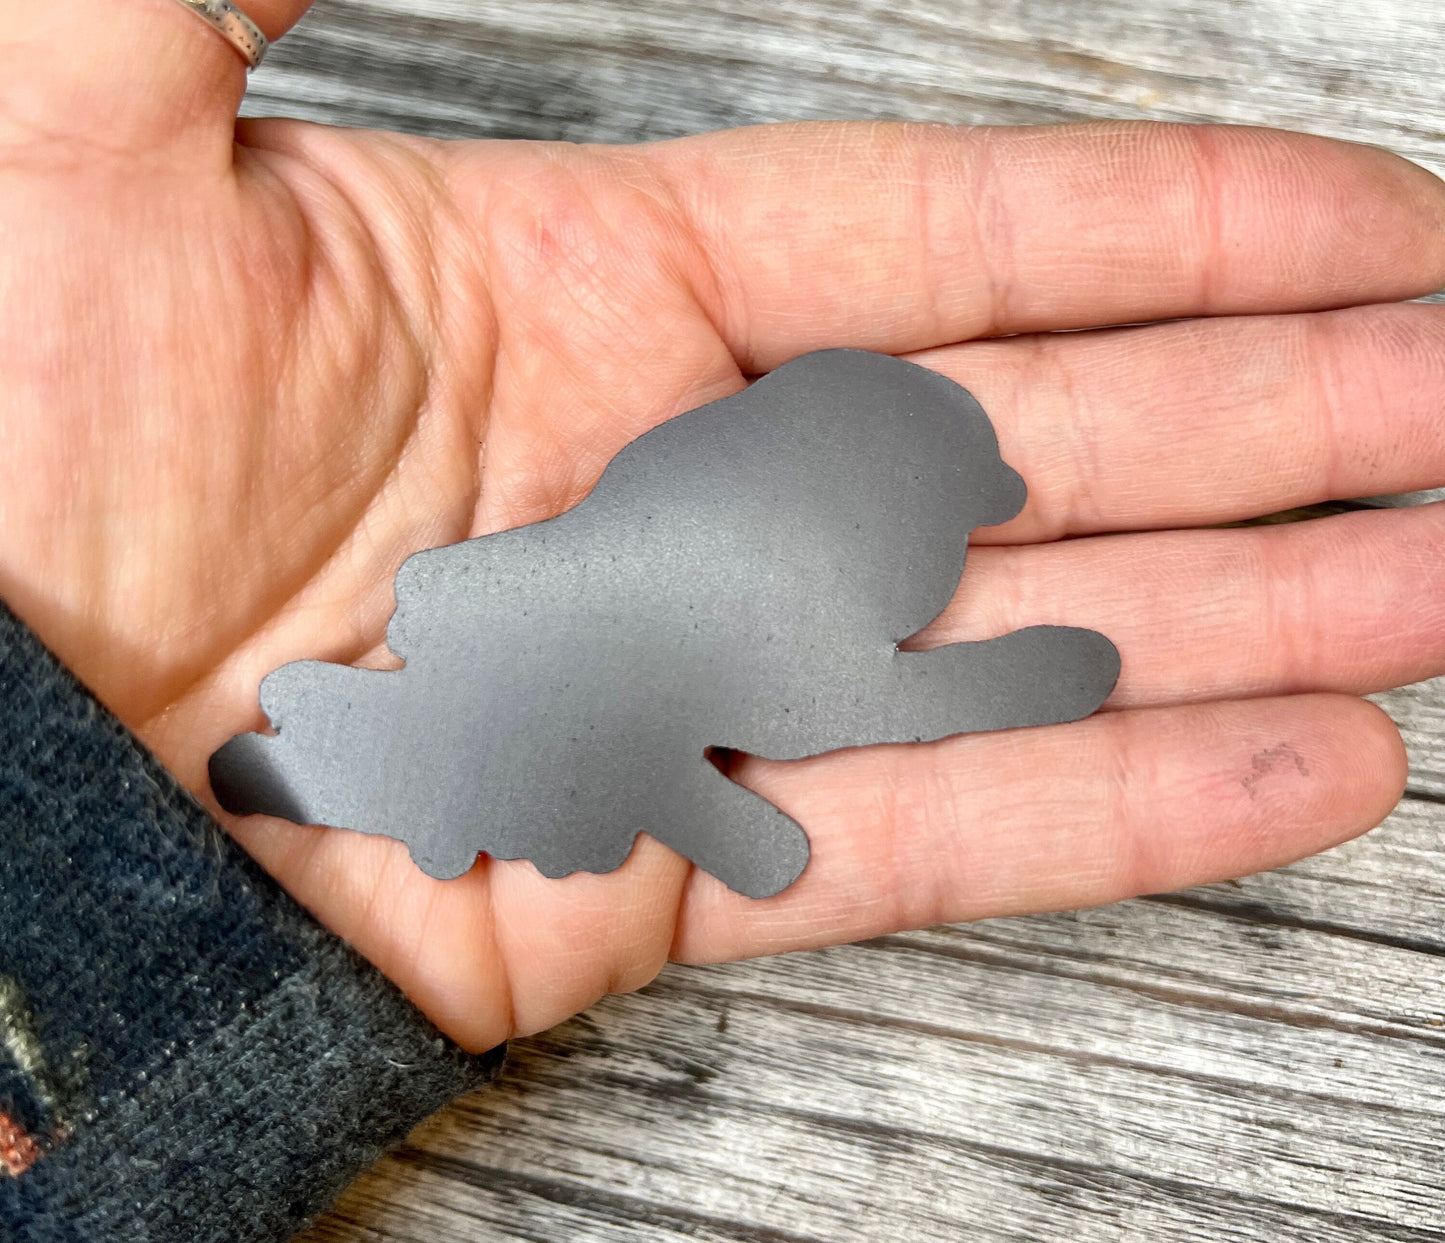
(1210, 421)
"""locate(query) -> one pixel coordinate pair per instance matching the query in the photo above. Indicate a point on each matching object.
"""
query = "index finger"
(903, 237)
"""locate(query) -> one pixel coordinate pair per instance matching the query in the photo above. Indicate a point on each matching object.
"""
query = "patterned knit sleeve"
(185, 1055)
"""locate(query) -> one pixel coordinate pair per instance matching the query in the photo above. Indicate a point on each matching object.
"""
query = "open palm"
(245, 372)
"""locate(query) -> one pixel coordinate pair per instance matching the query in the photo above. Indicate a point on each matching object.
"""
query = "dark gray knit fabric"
(185, 1055)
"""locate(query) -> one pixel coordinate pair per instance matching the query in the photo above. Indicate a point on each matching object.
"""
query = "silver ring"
(234, 26)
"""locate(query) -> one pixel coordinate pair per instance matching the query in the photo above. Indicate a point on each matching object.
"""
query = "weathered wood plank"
(1256, 1062)
(888, 1080)
(576, 70)
(881, 1185)
(710, 1101)
(1419, 711)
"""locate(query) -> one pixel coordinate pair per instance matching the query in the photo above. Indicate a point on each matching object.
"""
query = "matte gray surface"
(739, 578)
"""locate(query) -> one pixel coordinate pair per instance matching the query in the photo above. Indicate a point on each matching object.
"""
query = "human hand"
(244, 372)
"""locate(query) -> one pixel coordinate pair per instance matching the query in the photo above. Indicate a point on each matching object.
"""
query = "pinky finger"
(1046, 819)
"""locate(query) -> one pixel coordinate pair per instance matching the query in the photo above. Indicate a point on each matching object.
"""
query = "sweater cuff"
(184, 1053)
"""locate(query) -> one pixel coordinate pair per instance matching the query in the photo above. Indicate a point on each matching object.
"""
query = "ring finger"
(1353, 603)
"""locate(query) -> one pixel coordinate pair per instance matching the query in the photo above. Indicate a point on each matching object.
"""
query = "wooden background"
(1256, 1061)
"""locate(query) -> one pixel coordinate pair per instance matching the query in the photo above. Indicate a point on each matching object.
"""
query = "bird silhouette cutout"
(740, 577)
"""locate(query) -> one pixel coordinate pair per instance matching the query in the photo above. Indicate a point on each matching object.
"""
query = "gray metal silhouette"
(739, 578)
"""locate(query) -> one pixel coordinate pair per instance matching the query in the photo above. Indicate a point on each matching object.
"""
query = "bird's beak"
(1008, 498)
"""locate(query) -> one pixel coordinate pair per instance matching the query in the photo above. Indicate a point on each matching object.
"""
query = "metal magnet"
(740, 578)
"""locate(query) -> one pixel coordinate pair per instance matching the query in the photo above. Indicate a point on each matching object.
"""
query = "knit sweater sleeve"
(185, 1055)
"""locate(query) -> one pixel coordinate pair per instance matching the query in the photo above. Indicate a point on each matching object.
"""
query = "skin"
(246, 369)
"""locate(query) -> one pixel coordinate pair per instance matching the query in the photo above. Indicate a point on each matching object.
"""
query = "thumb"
(124, 77)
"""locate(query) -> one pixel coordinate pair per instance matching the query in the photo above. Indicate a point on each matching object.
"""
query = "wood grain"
(1419, 711)
(1259, 1061)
